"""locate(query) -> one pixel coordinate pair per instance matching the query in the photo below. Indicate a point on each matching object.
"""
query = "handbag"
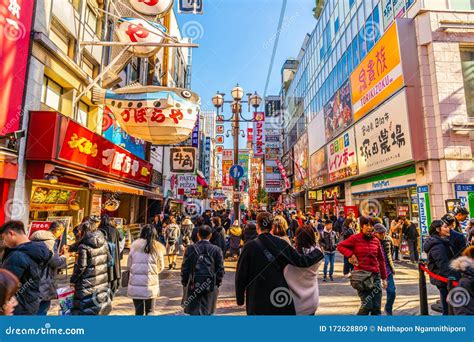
(362, 280)
(125, 278)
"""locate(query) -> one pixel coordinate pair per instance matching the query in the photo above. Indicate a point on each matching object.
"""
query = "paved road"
(336, 298)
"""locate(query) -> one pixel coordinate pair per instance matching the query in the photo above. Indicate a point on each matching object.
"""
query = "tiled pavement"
(336, 298)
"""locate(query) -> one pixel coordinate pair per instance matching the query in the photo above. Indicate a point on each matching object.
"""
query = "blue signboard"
(190, 6)
(236, 171)
(195, 135)
(119, 137)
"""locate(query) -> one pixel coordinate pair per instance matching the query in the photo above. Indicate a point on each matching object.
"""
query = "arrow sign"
(236, 171)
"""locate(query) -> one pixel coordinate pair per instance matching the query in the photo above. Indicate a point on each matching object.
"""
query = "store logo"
(381, 184)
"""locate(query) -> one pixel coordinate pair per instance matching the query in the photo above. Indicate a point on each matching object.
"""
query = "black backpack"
(203, 277)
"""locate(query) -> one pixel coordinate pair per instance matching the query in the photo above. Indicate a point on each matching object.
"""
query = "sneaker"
(324, 279)
(170, 266)
(330, 277)
(174, 265)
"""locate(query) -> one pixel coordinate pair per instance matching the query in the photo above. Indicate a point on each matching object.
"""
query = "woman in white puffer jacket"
(145, 263)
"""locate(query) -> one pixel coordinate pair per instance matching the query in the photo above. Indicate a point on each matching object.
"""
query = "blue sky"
(235, 40)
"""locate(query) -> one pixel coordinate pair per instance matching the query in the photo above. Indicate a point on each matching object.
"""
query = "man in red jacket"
(365, 253)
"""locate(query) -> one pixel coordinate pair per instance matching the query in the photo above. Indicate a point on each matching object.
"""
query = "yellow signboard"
(379, 74)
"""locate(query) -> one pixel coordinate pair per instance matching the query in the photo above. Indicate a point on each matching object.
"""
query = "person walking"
(370, 274)
(440, 252)
(280, 228)
(339, 224)
(410, 233)
(172, 233)
(235, 240)
(187, 227)
(90, 276)
(348, 230)
(226, 220)
(218, 234)
(328, 243)
(387, 247)
(465, 266)
(26, 260)
(250, 232)
(145, 262)
(303, 281)
(9, 286)
(201, 275)
(48, 287)
(396, 235)
(113, 237)
(158, 226)
(259, 278)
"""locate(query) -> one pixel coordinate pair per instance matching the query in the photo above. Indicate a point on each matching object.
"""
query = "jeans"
(144, 306)
(413, 248)
(391, 294)
(329, 259)
(396, 249)
(443, 294)
(371, 300)
(348, 267)
(44, 307)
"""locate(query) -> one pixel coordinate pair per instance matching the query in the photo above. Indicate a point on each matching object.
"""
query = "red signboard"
(37, 226)
(15, 27)
(87, 149)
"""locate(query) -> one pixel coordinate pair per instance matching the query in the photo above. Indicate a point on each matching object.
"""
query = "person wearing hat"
(457, 240)
(387, 248)
(328, 243)
(460, 215)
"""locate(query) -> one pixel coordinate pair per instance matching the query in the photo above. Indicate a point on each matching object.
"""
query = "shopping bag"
(65, 297)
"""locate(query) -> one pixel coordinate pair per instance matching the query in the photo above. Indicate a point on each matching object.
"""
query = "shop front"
(393, 193)
(8, 174)
(75, 173)
(328, 201)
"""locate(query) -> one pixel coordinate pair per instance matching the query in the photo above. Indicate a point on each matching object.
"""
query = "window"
(462, 5)
(351, 2)
(62, 40)
(467, 64)
(376, 23)
(355, 53)
(362, 44)
(370, 32)
(336, 25)
(51, 94)
(88, 66)
(82, 113)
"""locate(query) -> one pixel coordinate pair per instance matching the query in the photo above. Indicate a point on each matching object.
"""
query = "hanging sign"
(424, 208)
(342, 157)
(195, 135)
(152, 7)
(187, 183)
(183, 159)
(133, 30)
(283, 174)
(338, 112)
(190, 6)
(259, 135)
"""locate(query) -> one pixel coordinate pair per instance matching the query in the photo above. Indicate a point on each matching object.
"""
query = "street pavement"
(336, 298)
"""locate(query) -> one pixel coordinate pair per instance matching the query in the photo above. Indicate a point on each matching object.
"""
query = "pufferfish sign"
(159, 115)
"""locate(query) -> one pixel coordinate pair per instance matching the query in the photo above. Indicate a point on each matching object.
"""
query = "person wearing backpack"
(172, 233)
(201, 275)
(113, 237)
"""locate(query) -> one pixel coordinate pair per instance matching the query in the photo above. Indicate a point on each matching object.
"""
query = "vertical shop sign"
(424, 208)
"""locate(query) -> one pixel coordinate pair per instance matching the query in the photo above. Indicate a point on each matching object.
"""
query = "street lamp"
(254, 100)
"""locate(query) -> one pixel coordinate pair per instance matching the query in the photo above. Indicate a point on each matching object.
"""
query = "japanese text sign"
(383, 137)
(379, 74)
(342, 157)
(259, 135)
(183, 159)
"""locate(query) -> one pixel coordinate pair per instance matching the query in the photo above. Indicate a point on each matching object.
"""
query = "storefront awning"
(201, 181)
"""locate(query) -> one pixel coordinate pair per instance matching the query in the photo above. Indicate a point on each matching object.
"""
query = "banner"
(383, 137)
(424, 208)
(195, 135)
(227, 162)
(301, 162)
(187, 183)
(318, 168)
(338, 112)
(378, 76)
(342, 157)
(259, 135)
(207, 160)
(286, 183)
(183, 159)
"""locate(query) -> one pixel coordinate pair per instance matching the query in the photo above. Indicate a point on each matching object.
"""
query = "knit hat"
(380, 228)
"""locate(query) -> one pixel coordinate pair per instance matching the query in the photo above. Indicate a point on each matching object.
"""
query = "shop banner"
(316, 141)
(183, 159)
(378, 76)
(92, 151)
(187, 183)
(338, 112)
(227, 180)
(404, 178)
(36, 226)
(383, 137)
(465, 193)
(342, 157)
(15, 26)
(195, 135)
(113, 133)
(287, 161)
(249, 137)
(424, 208)
(398, 8)
(244, 159)
(318, 168)
(286, 181)
(259, 135)
(351, 210)
(301, 162)
(228, 154)
(387, 13)
(207, 160)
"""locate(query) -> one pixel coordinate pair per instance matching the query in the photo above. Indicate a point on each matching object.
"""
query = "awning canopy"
(201, 181)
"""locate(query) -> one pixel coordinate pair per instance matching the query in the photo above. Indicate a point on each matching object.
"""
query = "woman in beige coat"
(396, 235)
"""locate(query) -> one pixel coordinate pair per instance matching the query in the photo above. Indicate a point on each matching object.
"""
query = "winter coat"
(144, 268)
(56, 262)
(90, 276)
(368, 252)
(338, 225)
(27, 262)
(387, 246)
(410, 233)
(470, 237)
(396, 233)
(249, 234)
(465, 266)
(303, 283)
(235, 236)
(112, 235)
(440, 252)
(203, 303)
(458, 242)
(347, 232)
(328, 241)
(172, 232)
(218, 238)
(259, 279)
(186, 233)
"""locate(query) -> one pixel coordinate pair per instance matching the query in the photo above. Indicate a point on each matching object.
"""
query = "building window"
(76, 4)
(51, 94)
(467, 63)
(88, 66)
(462, 5)
(62, 40)
(93, 21)
(82, 113)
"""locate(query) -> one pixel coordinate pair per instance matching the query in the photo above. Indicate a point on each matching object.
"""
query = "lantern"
(132, 30)
(159, 115)
(151, 7)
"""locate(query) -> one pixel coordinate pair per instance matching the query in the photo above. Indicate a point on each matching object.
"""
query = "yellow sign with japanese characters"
(379, 74)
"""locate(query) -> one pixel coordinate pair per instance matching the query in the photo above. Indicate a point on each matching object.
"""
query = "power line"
(275, 47)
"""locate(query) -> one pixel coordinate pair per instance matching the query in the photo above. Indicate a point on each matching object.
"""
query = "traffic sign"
(236, 171)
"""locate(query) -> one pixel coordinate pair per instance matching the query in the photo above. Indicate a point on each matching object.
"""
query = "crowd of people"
(278, 255)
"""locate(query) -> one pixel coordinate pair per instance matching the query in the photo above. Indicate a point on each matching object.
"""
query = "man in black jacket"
(259, 280)
(410, 233)
(26, 260)
(200, 295)
(218, 234)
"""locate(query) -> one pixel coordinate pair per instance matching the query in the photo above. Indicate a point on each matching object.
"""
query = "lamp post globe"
(218, 100)
(237, 93)
(255, 100)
